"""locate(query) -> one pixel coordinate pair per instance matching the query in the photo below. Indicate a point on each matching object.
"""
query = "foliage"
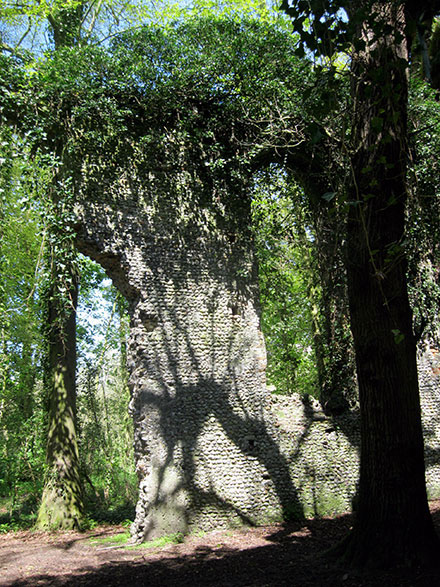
(35, 26)
(283, 247)
(321, 25)
(105, 428)
(423, 213)
(158, 77)
(26, 214)
(21, 403)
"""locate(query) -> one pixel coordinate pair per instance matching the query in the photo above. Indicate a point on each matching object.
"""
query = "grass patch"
(123, 538)
(113, 540)
(177, 538)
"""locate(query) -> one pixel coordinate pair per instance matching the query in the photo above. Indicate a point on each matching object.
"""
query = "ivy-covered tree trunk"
(61, 504)
(393, 524)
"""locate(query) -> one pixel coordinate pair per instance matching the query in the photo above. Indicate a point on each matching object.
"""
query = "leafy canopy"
(214, 80)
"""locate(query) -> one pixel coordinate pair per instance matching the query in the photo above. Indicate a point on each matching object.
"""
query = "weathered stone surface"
(429, 383)
(323, 452)
(206, 444)
(212, 446)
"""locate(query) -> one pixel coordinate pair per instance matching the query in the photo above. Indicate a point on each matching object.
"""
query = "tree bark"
(393, 523)
(61, 504)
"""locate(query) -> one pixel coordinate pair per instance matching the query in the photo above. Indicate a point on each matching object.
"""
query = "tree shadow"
(287, 555)
(180, 250)
(206, 438)
(214, 427)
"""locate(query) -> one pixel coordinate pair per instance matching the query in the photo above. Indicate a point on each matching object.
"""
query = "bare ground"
(288, 554)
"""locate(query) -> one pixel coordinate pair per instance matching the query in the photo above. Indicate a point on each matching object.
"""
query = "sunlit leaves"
(21, 439)
(423, 223)
(321, 25)
(283, 251)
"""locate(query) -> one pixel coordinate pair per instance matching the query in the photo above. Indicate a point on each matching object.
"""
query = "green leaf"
(398, 336)
(377, 123)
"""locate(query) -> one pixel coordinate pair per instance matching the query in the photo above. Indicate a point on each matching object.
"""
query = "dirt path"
(278, 555)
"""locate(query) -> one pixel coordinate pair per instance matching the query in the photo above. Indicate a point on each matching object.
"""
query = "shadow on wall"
(208, 449)
(429, 383)
(211, 446)
(322, 454)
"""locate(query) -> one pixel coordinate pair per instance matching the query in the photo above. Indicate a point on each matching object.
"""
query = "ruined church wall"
(206, 443)
(323, 452)
(429, 383)
(213, 447)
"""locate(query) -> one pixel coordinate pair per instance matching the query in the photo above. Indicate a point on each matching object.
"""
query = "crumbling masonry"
(212, 446)
(205, 442)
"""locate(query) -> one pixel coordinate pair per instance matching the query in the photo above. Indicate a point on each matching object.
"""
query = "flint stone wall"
(206, 443)
(323, 452)
(429, 383)
(212, 446)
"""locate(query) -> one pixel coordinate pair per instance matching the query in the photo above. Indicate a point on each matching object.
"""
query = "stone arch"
(162, 203)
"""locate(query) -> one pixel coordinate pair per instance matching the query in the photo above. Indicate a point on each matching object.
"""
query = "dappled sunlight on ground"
(287, 554)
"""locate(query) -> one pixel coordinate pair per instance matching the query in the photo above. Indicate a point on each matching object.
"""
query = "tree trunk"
(393, 524)
(61, 505)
